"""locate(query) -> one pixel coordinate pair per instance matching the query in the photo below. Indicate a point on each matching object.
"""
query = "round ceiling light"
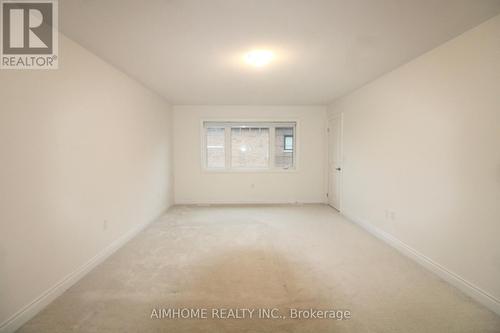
(259, 58)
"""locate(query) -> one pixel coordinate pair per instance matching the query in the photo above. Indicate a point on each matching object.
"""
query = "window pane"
(216, 157)
(288, 143)
(284, 147)
(250, 147)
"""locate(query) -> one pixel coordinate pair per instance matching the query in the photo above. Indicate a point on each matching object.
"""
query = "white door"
(334, 161)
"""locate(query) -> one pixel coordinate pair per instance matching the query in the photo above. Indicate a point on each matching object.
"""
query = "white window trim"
(269, 123)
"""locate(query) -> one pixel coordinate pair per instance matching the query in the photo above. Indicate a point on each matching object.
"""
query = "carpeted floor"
(261, 257)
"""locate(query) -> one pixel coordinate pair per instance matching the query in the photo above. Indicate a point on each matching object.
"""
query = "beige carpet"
(285, 257)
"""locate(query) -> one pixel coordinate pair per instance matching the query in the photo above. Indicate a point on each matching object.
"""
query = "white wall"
(79, 146)
(194, 185)
(424, 142)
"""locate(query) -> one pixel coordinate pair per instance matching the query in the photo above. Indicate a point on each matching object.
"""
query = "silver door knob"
(338, 169)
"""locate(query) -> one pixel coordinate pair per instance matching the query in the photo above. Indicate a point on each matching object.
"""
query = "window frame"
(227, 124)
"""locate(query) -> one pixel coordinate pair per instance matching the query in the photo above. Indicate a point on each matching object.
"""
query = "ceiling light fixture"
(259, 58)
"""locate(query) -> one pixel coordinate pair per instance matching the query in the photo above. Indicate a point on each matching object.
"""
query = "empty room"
(250, 166)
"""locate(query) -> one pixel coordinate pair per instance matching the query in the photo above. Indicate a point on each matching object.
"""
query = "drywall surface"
(193, 184)
(85, 159)
(422, 155)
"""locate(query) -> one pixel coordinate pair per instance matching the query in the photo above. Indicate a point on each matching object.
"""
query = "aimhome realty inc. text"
(248, 313)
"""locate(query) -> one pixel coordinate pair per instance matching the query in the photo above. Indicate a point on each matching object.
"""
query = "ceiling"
(190, 51)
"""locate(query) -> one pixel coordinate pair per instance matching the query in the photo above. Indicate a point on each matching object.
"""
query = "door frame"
(340, 118)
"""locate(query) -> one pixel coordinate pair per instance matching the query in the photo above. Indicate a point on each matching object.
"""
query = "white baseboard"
(465, 286)
(239, 202)
(30, 310)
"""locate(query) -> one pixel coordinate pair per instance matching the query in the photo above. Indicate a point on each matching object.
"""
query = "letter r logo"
(27, 27)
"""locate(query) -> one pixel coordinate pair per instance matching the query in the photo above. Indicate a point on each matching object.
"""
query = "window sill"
(258, 171)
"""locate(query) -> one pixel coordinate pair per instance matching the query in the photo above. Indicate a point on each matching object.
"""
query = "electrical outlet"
(105, 225)
(390, 214)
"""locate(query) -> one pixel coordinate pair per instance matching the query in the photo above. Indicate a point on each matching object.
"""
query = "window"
(216, 157)
(249, 146)
(288, 143)
(284, 147)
